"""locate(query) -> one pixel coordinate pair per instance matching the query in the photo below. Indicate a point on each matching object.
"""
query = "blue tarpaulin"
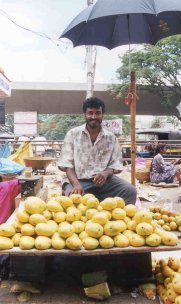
(8, 166)
(5, 150)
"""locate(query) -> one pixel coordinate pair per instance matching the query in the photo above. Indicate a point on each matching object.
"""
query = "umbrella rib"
(91, 10)
(114, 30)
(154, 41)
(178, 15)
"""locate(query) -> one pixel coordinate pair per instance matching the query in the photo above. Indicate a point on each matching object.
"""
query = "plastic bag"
(25, 150)
(10, 167)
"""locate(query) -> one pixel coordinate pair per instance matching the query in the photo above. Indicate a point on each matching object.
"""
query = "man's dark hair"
(93, 102)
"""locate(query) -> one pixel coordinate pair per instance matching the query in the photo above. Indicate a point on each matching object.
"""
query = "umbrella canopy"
(111, 23)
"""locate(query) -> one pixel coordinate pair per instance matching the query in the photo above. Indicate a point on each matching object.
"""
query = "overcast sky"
(25, 56)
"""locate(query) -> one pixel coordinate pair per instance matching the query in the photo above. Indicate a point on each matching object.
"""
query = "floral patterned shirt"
(86, 158)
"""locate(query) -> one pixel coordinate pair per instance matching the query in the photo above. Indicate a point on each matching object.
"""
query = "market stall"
(37, 238)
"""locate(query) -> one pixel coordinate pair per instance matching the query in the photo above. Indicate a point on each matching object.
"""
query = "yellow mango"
(58, 243)
(73, 242)
(136, 240)
(22, 216)
(118, 214)
(106, 241)
(130, 210)
(65, 229)
(26, 242)
(78, 226)
(5, 243)
(90, 243)
(42, 242)
(100, 218)
(16, 238)
(121, 241)
(35, 219)
(94, 230)
(54, 206)
(27, 229)
(120, 202)
(7, 230)
(34, 204)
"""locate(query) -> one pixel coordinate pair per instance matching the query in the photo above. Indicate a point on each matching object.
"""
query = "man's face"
(93, 117)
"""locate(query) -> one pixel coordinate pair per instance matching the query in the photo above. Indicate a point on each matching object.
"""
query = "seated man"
(91, 156)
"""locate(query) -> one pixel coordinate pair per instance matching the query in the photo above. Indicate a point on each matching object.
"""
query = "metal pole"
(89, 71)
(90, 65)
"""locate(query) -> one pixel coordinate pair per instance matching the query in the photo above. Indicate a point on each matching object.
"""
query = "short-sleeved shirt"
(86, 158)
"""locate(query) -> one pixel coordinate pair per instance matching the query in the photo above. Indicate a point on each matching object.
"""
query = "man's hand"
(100, 178)
(77, 190)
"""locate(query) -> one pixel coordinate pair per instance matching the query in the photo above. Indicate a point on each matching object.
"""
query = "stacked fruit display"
(169, 220)
(78, 222)
(168, 277)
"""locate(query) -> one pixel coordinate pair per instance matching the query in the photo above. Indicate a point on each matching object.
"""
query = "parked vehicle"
(172, 139)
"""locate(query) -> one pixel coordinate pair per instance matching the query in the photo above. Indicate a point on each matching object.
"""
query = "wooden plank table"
(67, 252)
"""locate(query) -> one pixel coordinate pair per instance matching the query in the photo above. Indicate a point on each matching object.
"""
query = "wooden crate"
(7, 177)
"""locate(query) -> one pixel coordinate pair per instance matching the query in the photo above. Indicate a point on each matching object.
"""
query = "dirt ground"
(62, 287)
(56, 293)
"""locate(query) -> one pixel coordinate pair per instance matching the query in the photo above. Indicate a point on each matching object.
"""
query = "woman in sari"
(162, 172)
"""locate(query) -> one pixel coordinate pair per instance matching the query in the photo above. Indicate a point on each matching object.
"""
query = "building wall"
(67, 98)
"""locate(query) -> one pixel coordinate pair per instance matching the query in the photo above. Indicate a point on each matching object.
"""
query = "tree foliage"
(9, 124)
(56, 126)
(158, 67)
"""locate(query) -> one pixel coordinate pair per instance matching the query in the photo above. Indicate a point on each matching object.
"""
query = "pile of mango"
(77, 222)
(168, 278)
(169, 220)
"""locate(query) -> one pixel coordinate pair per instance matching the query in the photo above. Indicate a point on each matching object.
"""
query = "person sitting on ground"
(91, 156)
(160, 171)
(55, 144)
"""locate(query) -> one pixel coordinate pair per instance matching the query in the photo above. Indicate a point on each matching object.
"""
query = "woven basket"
(148, 163)
(7, 177)
(179, 173)
(143, 175)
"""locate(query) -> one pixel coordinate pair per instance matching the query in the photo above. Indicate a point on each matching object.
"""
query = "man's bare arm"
(77, 188)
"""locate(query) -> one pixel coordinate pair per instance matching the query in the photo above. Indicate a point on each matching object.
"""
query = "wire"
(53, 40)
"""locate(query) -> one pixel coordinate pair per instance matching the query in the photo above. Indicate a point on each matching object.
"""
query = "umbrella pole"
(133, 116)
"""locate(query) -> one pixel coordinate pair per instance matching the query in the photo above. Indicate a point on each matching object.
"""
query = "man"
(91, 156)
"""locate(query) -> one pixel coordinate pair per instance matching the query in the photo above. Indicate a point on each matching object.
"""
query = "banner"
(113, 125)
(25, 123)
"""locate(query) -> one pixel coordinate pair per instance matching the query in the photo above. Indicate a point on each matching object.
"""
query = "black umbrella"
(111, 23)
